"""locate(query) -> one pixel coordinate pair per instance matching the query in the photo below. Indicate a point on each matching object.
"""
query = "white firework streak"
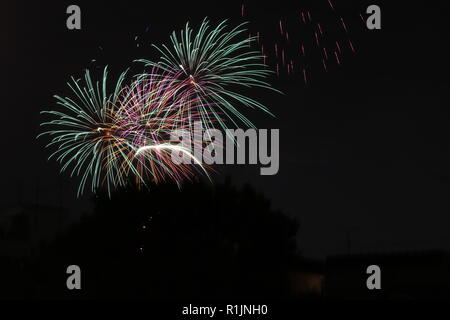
(171, 147)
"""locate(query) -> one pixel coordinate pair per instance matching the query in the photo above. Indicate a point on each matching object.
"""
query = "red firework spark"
(305, 41)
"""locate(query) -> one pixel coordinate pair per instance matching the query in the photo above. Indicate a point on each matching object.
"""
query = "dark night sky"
(364, 148)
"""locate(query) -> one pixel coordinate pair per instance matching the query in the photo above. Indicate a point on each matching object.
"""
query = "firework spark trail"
(362, 18)
(331, 4)
(351, 45)
(167, 149)
(170, 147)
(264, 55)
(344, 25)
(337, 58)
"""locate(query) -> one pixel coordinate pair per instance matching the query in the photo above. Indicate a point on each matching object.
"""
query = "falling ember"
(337, 58)
(344, 25)
(242, 10)
(362, 18)
(304, 76)
(320, 29)
(303, 17)
(351, 45)
(322, 44)
(331, 4)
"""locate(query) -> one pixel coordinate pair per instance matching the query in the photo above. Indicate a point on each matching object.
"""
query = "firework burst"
(210, 64)
(109, 138)
(151, 110)
(113, 139)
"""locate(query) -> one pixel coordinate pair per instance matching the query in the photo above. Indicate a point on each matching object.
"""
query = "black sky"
(364, 149)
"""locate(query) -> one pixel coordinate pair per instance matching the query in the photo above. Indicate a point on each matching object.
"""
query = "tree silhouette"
(201, 241)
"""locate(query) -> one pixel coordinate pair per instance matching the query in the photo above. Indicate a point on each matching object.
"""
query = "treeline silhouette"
(202, 241)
